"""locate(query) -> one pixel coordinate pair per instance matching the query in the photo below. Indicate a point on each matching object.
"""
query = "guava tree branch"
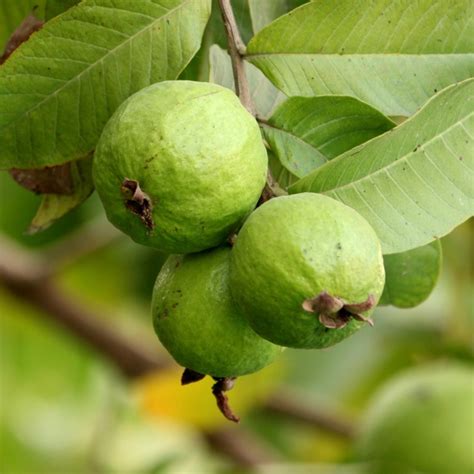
(242, 88)
(287, 405)
(242, 446)
(89, 238)
(236, 51)
(24, 275)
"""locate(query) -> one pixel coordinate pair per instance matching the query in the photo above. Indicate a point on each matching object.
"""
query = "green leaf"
(265, 96)
(306, 132)
(56, 7)
(55, 206)
(392, 54)
(13, 12)
(413, 184)
(215, 33)
(264, 12)
(411, 276)
(58, 89)
(279, 173)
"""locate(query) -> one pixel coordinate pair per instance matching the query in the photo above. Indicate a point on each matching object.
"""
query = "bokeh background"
(65, 407)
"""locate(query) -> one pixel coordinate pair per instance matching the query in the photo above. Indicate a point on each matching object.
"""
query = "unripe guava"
(422, 421)
(305, 270)
(197, 322)
(179, 166)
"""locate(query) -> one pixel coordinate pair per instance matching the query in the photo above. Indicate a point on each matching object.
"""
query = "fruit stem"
(224, 385)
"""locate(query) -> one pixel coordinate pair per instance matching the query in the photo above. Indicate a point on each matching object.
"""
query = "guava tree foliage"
(368, 103)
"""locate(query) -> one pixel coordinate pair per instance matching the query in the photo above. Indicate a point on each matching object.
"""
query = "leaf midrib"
(249, 56)
(108, 54)
(400, 159)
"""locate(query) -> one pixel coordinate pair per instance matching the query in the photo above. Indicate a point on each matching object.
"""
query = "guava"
(197, 322)
(306, 270)
(422, 421)
(179, 166)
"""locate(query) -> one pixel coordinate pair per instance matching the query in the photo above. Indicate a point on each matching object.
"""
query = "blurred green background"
(64, 408)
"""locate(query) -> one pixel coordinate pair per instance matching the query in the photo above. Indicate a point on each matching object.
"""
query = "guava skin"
(197, 157)
(197, 322)
(421, 422)
(293, 248)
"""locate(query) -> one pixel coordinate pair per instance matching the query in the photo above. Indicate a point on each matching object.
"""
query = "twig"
(236, 51)
(91, 237)
(287, 405)
(22, 274)
(244, 448)
(242, 88)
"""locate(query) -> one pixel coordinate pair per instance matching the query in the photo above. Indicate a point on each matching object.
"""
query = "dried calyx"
(222, 385)
(335, 313)
(137, 201)
(190, 376)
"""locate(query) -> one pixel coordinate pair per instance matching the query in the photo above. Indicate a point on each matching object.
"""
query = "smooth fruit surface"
(292, 249)
(180, 165)
(422, 422)
(197, 322)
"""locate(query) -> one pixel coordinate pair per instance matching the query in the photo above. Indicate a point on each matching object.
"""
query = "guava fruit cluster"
(180, 167)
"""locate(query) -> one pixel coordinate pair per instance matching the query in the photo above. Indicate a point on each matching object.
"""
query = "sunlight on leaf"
(59, 89)
(391, 54)
(414, 183)
(306, 132)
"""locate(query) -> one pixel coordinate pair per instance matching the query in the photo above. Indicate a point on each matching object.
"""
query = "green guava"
(306, 270)
(197, 322)
(180, 165)
(421, 422)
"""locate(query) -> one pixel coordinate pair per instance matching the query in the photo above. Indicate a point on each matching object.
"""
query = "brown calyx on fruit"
(137, 202)
(334, 312)
(323, 303)
(191, 376)
(223, 384)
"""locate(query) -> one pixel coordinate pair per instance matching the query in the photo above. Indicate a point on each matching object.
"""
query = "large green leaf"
(306, 132)
(393, 54)
(264, 12)
(58, 89)
(265, 96)
(56, 7)
(411, 276)
(414, 184)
